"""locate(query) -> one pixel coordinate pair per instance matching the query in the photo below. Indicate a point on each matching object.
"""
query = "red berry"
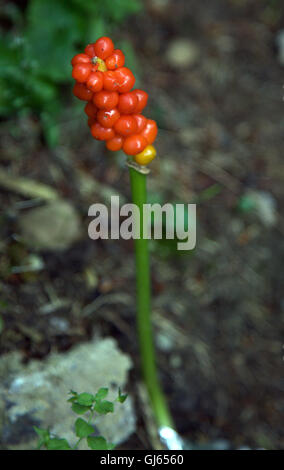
(81, 72)
(107, 118)
(115, 60)
(115, 143)
(95, 81)
(150, 131)
(142, 98)
(82, 92)
(103, 47)
(134, 144)
(106, 99)
(90, 109)
(101, 133)
(127, 103)
(90, 50)
(80, 59)
(125, 125)
(125, 79)
(141, 122)
(110, 81)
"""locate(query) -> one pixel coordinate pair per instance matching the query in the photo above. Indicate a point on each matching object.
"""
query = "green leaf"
(102, 393)
(97, 443)
(53, 29)
(121, 398)
(103, 407)
(80, 409)
(85, 399)
(82, 428)
(58, 444)
(43, 435)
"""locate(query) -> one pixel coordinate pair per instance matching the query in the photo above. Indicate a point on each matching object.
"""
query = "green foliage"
(57, 444)
(87, 404)
(35, 54)
(99, 443)
(82, 428)
(121, 398)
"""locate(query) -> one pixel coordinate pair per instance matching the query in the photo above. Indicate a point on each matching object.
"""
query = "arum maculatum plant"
(114, 116)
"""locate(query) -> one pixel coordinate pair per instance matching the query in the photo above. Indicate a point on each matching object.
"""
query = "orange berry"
(81, 72)
(103, 47)
(127, 103)
(125, 125)
(101, 133)
(115, 143)
(80, 59)
(90, 109)
(107, 118)
(125, 79)
(82, 92)
(115, 60)
(141, 122)
(150, 131)
(95, 81)
(134, 144)
(142, 98)
(106, 99)
(110, 81)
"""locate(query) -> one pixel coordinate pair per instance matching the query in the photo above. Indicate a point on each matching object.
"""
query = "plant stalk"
(144, 325)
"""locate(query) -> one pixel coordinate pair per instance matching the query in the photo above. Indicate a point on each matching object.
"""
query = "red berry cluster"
(113, 110)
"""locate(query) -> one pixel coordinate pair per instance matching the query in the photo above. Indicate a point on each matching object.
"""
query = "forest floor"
(217, 310)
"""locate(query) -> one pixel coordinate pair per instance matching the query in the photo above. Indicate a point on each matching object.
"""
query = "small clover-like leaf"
(103, 407)
(85, 399)
(121, 398)
(80, 409)
(82, 428)
(43, 435)
(102, 393)
(97, 443)
(58, 444)
(72, 399)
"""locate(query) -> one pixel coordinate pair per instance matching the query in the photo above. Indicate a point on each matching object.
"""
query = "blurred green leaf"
(82, 428)
(121, 398)
(80, 409)
(102, 393)
(103, 407)
(43, 435)
(99, 443)
(57, 444)
(52, 30)
(85, 399)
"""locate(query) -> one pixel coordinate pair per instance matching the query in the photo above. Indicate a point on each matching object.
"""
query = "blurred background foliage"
(36, 47)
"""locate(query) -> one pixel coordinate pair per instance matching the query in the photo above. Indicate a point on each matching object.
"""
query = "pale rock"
(55, 226)
(36, 394)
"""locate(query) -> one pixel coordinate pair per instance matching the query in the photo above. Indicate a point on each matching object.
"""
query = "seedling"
(89, 406)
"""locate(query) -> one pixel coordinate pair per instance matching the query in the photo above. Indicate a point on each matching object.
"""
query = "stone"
(182, 53)
(36, 394)
(55, 226)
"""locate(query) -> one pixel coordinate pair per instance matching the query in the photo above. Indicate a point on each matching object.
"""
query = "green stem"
(143, 283)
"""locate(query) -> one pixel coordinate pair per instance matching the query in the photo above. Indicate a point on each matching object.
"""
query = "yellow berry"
(145, 157)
